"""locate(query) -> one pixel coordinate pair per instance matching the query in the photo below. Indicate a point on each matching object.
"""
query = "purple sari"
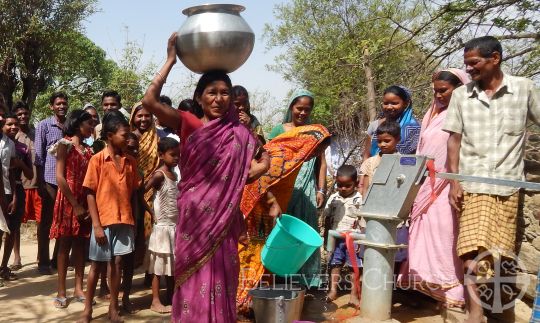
(214, 165)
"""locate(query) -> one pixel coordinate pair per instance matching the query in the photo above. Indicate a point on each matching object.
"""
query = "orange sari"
(288, 152)
(147, 161)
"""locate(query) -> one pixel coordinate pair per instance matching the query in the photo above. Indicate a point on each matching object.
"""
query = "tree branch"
(535, 36)
(522, 52)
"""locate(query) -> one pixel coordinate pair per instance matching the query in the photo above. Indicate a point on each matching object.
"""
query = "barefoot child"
(128, 263)
(161, 243)
(71, 225)
(343, 210)
(388, 137)
(111, 181)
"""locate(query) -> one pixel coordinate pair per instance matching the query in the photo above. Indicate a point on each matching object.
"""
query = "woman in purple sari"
(216, 162)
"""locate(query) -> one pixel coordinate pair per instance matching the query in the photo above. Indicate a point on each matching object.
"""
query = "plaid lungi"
(488, 223)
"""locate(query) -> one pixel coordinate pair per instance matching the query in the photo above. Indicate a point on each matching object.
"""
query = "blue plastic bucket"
(289, 245)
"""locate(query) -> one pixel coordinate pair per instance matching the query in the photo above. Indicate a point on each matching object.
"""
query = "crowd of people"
(191, 194)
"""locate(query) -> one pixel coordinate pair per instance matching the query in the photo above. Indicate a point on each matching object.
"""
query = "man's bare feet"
(114, 316)
(85, 317)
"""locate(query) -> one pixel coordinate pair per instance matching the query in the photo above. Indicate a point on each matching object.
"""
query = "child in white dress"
(161, 243)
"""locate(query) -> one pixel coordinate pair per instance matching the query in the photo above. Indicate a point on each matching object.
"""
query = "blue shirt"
(48, 132)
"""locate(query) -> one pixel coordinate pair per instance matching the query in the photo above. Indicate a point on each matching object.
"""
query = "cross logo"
(495, 279)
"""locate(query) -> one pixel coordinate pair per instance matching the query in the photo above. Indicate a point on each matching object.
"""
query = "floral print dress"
(65, 222)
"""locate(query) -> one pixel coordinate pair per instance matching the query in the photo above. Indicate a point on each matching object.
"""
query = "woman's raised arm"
(166, 115)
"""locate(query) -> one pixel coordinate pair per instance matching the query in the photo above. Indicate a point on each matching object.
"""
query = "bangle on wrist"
(323, 192)
(162, 78)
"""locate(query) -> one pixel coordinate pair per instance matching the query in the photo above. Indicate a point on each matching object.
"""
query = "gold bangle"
(162, 78)
(271, 200)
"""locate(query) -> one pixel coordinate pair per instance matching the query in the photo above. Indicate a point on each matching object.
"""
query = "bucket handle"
(281, 308)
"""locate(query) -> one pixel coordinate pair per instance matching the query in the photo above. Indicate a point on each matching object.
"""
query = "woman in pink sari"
(434, 267)
(216, 162)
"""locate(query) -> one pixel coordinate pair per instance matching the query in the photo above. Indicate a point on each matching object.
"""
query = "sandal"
(82, 299)
(6, 274)
(60, 302)
(16, 267)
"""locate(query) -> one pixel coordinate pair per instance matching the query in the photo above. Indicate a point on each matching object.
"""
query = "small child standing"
(161, 243)
(388, 136)
(343, 210)
(128, 262)
(111, 180)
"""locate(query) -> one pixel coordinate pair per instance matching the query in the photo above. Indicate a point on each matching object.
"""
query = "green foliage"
(88, 73)
(326, 42)
(130, 78)
(329, 43)
(83, 73)
(35, 33)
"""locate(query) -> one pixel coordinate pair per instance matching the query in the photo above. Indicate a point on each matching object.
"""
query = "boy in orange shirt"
(111, 180)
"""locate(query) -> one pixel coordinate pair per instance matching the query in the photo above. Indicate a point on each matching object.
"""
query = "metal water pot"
(214, 37)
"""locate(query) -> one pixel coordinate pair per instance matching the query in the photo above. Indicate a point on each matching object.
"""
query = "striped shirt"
(48, 132)
(493, 131)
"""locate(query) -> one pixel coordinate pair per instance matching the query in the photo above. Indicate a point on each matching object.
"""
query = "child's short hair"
(132, 136)
(112, 121)
(74, 120)
(390, 127)
(166, 144)
(347, 171)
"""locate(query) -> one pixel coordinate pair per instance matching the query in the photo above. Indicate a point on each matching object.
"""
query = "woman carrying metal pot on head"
(217, 160)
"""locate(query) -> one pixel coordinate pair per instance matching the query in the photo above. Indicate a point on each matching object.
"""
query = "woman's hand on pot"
(171, 48)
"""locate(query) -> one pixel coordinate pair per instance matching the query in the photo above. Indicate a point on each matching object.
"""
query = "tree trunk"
(32, 85)
(370, 85)
(8, 80)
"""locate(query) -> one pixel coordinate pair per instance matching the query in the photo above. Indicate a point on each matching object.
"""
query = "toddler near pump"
(388, 137)
(343, 209)
(111, 180)
(160, 253)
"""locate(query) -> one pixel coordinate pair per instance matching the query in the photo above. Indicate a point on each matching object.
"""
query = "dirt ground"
(29, 299)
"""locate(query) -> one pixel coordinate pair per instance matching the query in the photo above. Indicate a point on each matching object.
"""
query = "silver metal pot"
(214, 37)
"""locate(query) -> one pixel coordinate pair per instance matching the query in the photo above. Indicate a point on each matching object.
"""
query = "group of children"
(342, 210)
(98, 203)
